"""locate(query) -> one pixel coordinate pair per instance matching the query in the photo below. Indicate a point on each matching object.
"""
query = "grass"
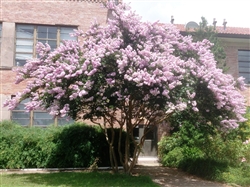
(236, 175)
(74, 179)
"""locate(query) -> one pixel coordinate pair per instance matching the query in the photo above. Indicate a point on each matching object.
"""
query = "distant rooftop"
(240, 31)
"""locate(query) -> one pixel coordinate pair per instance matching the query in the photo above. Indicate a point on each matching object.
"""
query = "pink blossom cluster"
(246, 142)
(128, 60)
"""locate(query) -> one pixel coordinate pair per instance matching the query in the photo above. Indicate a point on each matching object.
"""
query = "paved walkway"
(164, 176)
(170, 177)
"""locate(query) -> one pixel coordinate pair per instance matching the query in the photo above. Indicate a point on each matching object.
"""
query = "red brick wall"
(232, 60)
(7, 83)
(77, 13)
(59, 12)
(231, 48)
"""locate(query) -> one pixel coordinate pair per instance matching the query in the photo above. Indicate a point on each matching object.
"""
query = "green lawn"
(74, 179)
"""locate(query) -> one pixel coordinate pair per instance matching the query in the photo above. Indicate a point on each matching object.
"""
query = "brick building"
(236, 43)
(22, 25)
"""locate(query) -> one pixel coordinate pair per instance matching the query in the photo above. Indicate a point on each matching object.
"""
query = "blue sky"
(236, 12)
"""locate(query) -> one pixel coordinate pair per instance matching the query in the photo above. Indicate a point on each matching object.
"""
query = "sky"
(236, 12)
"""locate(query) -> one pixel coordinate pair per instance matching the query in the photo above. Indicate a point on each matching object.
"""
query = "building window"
(114, 1)
(27, 36)
(244, 64)
(37, 117)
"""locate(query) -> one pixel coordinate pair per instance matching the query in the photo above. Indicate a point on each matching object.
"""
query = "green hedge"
(76, 145)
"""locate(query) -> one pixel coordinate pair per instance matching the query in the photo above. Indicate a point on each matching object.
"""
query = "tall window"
(36, 118)
(27, 36)
(244, 64)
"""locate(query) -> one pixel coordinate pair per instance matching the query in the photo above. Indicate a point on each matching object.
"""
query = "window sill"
(5, 68)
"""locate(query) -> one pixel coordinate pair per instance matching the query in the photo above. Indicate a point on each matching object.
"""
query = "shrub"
(204, 167)
(173, 158)
(208, 155)
(76, 145)
(236, 175)
(24, 147)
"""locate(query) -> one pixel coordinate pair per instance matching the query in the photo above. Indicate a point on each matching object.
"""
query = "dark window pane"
(42, 32)
(52, 32)
(136, 133)
(46, 32)
(244, 65)
(65, 33)
(42, 118)
(22, 121)
(52, 44)
(244, 58)
(20, 59)
(243, 53)
(25, 31)
(43, 122)
(64, 121)
(21, 105)
(42, 115)
(19, 114)
(42, 41)
(151, 133)
(20, 62)
(244, 69)
(246, 76)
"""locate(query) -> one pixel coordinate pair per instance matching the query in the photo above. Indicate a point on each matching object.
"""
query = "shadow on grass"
(206, 168)
(73, 179)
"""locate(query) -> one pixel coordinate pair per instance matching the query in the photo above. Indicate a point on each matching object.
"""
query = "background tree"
(126, 72)
(204, 31)
(209, 32)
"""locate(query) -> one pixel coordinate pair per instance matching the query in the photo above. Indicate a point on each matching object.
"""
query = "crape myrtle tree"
(205, 31)
(126, 72)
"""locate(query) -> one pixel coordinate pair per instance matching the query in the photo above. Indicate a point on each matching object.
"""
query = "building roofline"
(94, 1)
(229, 32)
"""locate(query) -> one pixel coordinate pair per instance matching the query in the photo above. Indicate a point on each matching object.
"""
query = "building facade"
(236, 43)
(22, 25)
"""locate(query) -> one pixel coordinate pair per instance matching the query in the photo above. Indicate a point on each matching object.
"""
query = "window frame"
(35, 39)
(56, 121)
(245, 67)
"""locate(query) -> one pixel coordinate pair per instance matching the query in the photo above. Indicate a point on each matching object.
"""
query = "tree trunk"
(115, 169)
(119, 146)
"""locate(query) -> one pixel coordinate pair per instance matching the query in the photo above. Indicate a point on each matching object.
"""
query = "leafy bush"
(204, 167)
(21, 147)
(236, 175)
(76, 145)
(210, 154)
(173, 158)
